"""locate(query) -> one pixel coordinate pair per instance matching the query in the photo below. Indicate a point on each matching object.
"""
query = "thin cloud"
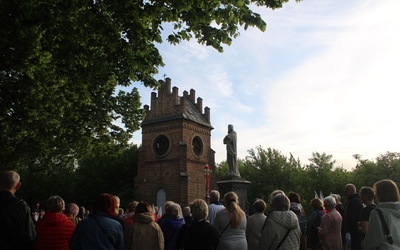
(322, 77)
(338, 99)
(219, 78)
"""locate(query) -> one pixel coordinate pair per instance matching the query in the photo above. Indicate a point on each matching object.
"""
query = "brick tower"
(176, 147)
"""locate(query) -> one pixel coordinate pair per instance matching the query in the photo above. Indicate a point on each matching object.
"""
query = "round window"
(197, 146)
(161, 145)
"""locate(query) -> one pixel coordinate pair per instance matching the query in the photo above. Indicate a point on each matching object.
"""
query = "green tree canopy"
(269, 170)
(62, 61)
(385, 166)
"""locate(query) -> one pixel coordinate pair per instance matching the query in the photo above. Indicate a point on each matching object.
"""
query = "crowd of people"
(216, 225)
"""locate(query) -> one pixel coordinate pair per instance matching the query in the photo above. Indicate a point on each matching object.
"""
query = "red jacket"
(54, 231)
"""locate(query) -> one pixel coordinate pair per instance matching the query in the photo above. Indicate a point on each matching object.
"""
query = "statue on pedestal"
(231, 153)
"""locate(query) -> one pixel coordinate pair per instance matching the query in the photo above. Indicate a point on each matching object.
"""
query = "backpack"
(302, 219)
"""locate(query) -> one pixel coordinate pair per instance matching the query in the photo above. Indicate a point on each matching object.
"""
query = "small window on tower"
(161, 145)
(197, 146)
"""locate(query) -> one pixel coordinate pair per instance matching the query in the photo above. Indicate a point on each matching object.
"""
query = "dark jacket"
(353, 213)
(342, 212)
(313, 222)
(198, 235)
(17, 230)
(170, 227)
(54, 231)
(353, 216)
(99, 231)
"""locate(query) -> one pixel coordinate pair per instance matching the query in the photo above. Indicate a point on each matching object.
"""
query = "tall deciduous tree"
(269, 170)
(319, 172)
(108, 169)
(61, 62)
(385, 166)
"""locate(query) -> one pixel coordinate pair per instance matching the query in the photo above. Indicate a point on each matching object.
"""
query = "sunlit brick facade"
(176, 146)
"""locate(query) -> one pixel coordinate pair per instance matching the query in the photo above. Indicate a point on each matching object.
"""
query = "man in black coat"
(353, 216)
(17, 231)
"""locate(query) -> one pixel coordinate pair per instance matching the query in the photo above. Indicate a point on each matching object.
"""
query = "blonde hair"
(175, 211)
(55, 204)
(199, 209)
(232, 205)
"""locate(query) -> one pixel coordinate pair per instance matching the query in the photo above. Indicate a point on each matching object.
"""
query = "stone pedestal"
(237, 185)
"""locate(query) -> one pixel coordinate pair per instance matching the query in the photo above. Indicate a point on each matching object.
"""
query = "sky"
(323, 77)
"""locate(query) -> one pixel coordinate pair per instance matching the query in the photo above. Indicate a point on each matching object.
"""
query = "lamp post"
(207, 178)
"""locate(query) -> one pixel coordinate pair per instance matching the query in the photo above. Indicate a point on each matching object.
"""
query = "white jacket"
(277, 225)
(375, 237)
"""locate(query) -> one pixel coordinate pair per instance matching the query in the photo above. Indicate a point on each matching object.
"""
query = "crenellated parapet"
(168, 104)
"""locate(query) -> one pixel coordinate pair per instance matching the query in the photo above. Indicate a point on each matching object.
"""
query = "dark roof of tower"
(190, 113)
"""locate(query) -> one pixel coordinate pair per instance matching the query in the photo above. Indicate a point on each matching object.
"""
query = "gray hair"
(329, 202)
(214, 196)
(276, 192)
(280, 203)
(186, 212)
(336, 196)
(71, 208)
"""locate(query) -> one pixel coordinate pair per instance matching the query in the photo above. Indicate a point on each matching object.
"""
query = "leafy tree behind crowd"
(62, 61)
(269, 170)
(107, 170)
(385, 166)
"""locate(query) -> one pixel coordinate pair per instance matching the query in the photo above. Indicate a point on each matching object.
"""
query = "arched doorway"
(161, 199)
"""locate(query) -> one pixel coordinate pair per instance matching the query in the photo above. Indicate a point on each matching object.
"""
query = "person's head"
(294, 197)
(259, 206)
(337, 198)
(55, 204)
(317, 204)
(214, 196)
(132, 206)
(231, 201)
(10, 181)
(329, 203)
(280, 202)
(167, 206)
(121, 211)
(117, 199)
(229, 198)
(71, 209)
(144, 207)
(366, 195)
(276, 192)
(386, 191)
(105, 203)
(199, 209)
(350, 189)
(175, 211)
(35, 206)
(186, 212)
(41, 213)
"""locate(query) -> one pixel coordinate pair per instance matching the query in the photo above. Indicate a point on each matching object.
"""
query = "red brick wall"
(179, 172)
